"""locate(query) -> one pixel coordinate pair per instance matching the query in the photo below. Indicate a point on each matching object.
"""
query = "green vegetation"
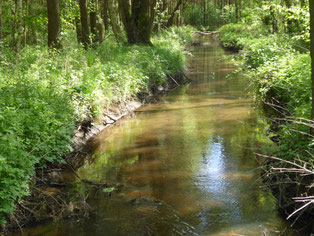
(274, 41)
(63, 61)
(279, 65)
(211, 14)
(211, 19)
(44, 94)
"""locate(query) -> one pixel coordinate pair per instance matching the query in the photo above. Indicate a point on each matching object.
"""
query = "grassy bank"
(279, 67)
(44, 95)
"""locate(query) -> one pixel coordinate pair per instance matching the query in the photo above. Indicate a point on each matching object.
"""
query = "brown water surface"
(189, 160)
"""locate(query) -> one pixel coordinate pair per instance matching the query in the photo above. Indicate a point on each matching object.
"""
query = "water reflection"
(186, 164)
(211, 178)
(193, 152)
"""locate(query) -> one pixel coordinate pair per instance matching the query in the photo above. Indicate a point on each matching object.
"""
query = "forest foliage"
(275, 50)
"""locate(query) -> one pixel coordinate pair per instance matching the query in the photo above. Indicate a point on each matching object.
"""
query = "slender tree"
(114, 20)
(93, 21)
(54, 23)
(100, 29)
(173, 13)
(32, 34)
(236, 3)
(240, 7)
(19, 8)
(25, 25)
(290, 13)
(312, 52)
(105, 14)
(273, 19)
(84, 23)
(13, 25)
(78, 30)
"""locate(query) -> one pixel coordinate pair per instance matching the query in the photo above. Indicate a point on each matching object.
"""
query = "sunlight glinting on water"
(210, 178)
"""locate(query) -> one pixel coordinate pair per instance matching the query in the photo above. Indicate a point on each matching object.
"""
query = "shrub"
(44, 94)
(280, 74)
(232, 35)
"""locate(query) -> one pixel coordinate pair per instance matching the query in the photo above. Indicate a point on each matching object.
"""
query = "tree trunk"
(289, 21)
(138, 20)
(84, 23)
(101, 33)
(236, 10)
(93, 25)
(19, 8)
(54, 23)
(25, 27)
(93, 22)
(32, 35)
(312, 54)
(114, 20)
(13, 26)
(240, 7)
(105, 14)
(78, 30)
(273, 21)
(170, 20)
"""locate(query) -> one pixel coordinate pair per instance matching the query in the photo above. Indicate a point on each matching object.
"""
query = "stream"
(186, 164)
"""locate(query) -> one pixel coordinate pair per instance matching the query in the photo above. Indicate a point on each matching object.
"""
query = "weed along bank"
(176, 165)
(278, 62)
(48, 96)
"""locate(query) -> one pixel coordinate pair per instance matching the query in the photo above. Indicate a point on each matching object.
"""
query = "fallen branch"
(185, 76)
(288, 162)
(292, 183)
(112, 118)
(299, 209)
(207, 33)
(174, 80)
(293, 170)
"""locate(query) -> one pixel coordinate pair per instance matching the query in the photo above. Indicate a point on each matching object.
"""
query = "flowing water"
(187, 164)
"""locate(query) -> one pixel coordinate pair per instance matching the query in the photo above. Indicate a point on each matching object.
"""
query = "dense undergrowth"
(45, 94)
(279, 66)
(278, 63)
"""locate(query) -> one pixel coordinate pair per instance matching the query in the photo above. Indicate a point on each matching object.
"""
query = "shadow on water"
(186, 164)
